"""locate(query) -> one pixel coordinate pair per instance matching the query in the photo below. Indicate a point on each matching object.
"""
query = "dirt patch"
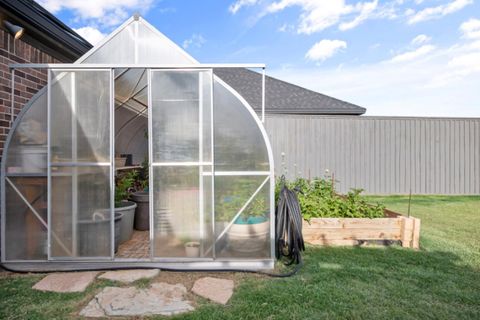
(188, 278)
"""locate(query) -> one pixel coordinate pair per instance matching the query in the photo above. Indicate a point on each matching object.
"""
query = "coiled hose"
(288, 228)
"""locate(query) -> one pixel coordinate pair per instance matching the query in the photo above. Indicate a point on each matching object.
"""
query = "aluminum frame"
(195, 66)
(75, 165)
(200, 163)
(95, 67)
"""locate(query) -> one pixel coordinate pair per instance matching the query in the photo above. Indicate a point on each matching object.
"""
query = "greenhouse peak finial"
(136, 16)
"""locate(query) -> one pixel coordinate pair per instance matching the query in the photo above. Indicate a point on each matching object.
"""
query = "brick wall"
(27, 81)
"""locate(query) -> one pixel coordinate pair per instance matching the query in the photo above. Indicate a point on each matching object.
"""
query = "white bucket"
(33, 158)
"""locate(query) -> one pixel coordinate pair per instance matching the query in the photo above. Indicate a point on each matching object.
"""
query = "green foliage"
(233, 198)
(141, 184)
(318, 199)
(124, 186)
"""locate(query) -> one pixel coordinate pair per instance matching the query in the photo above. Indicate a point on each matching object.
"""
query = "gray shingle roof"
(281, 96)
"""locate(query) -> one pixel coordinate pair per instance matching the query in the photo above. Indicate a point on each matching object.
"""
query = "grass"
(440, 281)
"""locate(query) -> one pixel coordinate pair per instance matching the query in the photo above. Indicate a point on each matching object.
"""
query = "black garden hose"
(288, 226)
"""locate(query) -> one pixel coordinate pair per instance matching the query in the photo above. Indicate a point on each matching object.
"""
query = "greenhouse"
(137, 155)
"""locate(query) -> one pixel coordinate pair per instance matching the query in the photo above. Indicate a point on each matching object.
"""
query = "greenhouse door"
(181, 158)
(80, 171)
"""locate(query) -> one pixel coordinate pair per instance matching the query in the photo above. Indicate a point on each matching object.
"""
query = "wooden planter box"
(353, 231)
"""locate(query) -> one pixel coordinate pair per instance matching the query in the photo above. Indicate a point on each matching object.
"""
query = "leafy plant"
(234, 196)
(124, 186)
(318, 199)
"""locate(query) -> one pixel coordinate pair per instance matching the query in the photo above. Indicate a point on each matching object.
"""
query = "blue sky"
(398, 57)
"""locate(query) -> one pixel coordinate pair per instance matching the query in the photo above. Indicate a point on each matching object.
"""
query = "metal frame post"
(201, 202)
(150, 162)
(212, 156)
(263, 95)
(74, 129)
(112, 164)
(49, 164)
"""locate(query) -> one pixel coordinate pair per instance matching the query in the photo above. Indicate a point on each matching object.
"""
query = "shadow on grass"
(364, 283)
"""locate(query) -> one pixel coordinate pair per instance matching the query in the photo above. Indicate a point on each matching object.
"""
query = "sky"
(393, 57)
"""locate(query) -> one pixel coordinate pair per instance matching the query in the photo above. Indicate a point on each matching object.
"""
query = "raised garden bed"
(355, 231)
(334, 219)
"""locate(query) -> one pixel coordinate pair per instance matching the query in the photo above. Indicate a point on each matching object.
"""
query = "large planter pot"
(248, 238)
(92, 233)
(142, 216)
(127, 209)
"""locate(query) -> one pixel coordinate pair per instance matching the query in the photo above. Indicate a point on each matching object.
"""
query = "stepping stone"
(217, 290)
(160, 299)
(66, 282)
(128, 276)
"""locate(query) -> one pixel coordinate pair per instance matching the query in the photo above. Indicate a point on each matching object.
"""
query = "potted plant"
(141, 198)
(123, 188)
(250, 231)
(192, 249)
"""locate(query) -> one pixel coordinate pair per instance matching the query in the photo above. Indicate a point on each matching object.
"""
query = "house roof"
(43, 30)
(283, 97)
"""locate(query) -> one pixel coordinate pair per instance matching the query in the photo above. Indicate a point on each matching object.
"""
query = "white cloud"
(319, 15)
(91, 34)
(414, 54)
(316, 15)
(471, 29)
(237, 5)
(286, 28)
(420, 39)
(196, 40)
(104, 12)
(438, 11)
(445, 84)
(366, 9)
(325, 49)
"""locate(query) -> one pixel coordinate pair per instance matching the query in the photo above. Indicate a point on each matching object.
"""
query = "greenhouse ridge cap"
(133, 66)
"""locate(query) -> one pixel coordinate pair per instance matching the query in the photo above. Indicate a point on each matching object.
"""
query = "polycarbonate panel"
(176, 212)
(27, 151)
(177, 97)
(249, 235)
(131, 135)
(119, 49)
(142, 96)
(154, 47)
(239, 144)
(25, 234)
(128, 83)
(207, 114)
(80, 116)
(80, 212)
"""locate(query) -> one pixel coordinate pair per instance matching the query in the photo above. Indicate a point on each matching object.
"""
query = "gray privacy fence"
(383, 155)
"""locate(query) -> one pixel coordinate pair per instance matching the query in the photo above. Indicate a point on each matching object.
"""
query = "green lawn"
(440, 281)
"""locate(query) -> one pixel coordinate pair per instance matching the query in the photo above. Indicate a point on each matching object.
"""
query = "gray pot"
(142, 216)
(93, 237)
(127, 208)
